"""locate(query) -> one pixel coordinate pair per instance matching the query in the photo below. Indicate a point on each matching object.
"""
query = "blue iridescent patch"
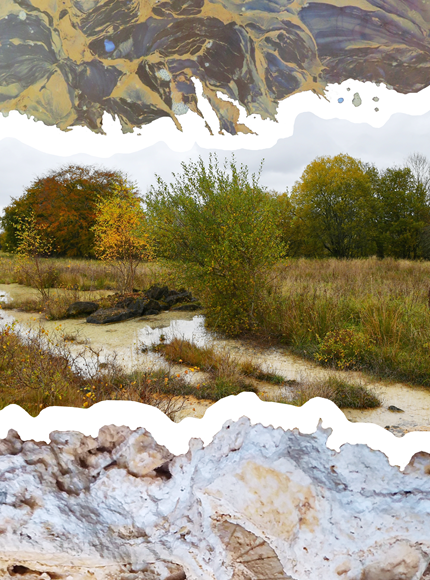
(109, 46)
(340, 100)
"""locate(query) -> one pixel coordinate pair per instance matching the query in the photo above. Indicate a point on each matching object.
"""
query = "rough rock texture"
(82, 308)
(108, 315)
(257, 503)
(67, 62)
(151, 301)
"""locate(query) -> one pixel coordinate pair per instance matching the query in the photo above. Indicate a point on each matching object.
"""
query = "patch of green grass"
(186, 352)
(250, 369)
(214, 389)
(345, 394)
(227, 376)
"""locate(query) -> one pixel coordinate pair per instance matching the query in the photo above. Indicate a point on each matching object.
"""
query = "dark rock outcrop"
(82, 308)
(117, 307)
(157, 292)
(177, 297)
(108, 315)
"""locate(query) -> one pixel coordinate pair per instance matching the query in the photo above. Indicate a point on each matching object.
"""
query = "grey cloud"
(284, 163)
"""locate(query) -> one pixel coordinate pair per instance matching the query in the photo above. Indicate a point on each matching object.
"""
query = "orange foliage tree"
(64, 203)
(120, 235)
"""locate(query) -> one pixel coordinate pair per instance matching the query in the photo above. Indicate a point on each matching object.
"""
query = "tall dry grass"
(367, 314)
(78, 274)
(345, 394)
(225, 375)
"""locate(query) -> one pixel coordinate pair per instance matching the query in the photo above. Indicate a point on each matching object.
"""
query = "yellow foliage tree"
(333, 200)
(33, 244)
(120, 235)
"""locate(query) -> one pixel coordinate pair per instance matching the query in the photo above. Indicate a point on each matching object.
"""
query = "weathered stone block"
(256, 503)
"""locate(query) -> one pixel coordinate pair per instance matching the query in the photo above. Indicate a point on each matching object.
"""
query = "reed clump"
(226, 375)
(345, 394)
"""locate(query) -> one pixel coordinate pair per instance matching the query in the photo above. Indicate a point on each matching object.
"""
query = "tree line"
(222, 233)
(344, 208)
(340, 207)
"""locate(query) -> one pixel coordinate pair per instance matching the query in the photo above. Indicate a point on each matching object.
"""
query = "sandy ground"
(126, 339)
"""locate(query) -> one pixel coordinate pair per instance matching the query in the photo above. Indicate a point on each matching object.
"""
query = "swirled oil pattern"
(67, 62)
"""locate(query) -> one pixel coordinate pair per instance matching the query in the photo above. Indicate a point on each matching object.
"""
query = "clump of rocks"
(119, 307)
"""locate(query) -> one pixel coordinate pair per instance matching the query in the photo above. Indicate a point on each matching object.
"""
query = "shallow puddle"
(192, 330)
(127, 339)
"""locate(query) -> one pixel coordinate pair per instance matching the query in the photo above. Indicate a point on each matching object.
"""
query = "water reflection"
(192, 330)
(4, 297)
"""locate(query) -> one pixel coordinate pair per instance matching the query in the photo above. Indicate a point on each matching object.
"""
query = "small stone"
(395, 430)
(356, 101)
(395, 409)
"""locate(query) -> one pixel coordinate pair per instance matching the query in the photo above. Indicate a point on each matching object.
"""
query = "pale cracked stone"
(256, 504)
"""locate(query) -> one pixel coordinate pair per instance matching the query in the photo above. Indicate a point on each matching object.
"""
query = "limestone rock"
(138, 60)
(257, 503)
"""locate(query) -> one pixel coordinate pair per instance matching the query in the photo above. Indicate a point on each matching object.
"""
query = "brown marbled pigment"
(66, 62)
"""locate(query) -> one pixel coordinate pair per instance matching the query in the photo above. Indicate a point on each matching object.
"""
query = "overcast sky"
(284, 163)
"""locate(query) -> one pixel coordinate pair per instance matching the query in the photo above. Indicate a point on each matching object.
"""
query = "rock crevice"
(256, 503)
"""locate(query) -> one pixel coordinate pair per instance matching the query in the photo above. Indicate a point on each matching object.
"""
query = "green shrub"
(220, 228)
(345, 348)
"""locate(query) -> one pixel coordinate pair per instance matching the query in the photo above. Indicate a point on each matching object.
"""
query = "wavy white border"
(176, 436)
(81, 140)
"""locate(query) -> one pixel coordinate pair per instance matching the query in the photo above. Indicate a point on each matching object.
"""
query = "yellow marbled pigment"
(66, 62)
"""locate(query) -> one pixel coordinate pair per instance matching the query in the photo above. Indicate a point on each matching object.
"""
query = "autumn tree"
(33, 245)
(120, 234)
(220, 226)
(64, 202)
(334, 202)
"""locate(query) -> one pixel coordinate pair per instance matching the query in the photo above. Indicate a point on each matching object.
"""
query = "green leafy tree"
(295, 233)
(220, 226)
(403, 213)
(333, 200)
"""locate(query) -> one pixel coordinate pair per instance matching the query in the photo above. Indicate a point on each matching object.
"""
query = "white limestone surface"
(248, 502)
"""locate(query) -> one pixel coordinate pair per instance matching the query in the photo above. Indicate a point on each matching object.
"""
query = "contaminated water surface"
(130, 339)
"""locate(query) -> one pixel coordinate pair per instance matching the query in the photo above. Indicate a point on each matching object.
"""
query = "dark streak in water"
(66, 63)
